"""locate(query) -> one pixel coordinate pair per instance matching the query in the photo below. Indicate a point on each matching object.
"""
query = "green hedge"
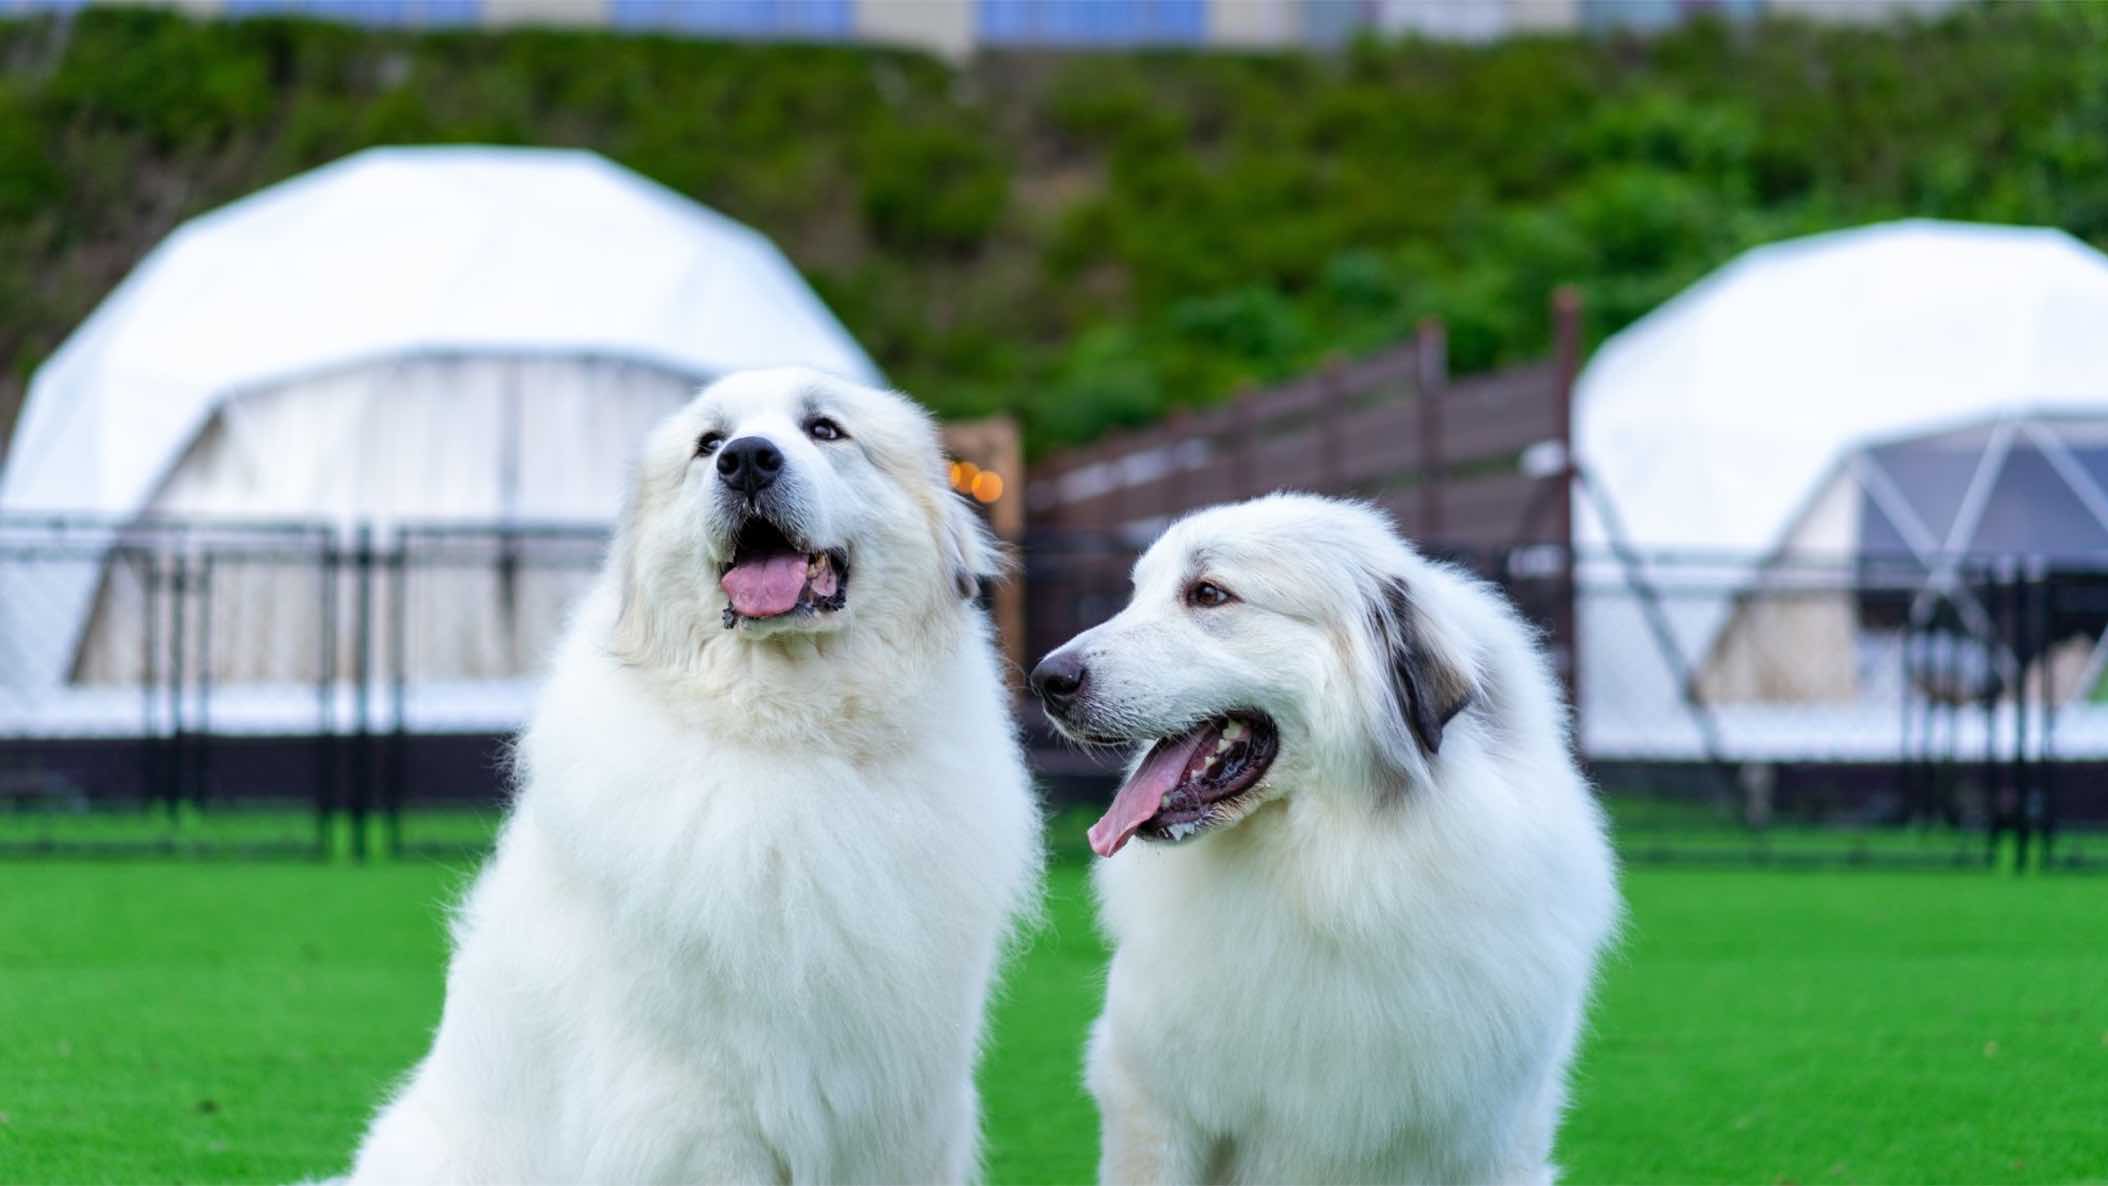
(1087, 240)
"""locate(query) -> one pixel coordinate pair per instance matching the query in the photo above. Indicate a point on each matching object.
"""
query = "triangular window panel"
(2033, 511)
(1932, 474)
(1882, 544)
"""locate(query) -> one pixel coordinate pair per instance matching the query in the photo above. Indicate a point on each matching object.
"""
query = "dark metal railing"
(160, 677)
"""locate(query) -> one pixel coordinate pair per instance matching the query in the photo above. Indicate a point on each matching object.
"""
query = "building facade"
(957, 28)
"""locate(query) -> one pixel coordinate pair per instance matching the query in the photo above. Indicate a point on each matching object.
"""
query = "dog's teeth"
(1232, 731)
(1221, 744)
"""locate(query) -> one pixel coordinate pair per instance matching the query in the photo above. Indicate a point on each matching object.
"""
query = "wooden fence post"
(1331, 425)
(1566, 346)
(1243, 432)
(1179, 482)
(1566, 341)
(1431, 343)
(994, 444)
(1115, 460)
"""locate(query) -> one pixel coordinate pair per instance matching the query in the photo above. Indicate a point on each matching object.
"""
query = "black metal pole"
(149, 673)
(1923, 744)
(1944, 757)
(201, 784)
(325, 703)
(1939, 724)
(178, 756)
(2014, 626)
(1993, 792)
(2038, 803)
(2052, 791)
(362, 675)
(1919, 809)
(398, 660)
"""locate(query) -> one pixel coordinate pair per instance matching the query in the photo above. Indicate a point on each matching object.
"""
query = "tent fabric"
(1709, 422)
(485, 437)
(1910, 514)
(409, 335)
(397, 251)
(1822, 399)
(478, 439)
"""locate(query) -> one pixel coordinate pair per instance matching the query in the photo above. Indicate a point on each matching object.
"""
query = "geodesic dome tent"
(1819, 449)
(1924, 518)
(406, 336)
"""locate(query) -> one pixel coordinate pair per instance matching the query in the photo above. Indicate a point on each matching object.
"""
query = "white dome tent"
(1816, 445)
(406, 336)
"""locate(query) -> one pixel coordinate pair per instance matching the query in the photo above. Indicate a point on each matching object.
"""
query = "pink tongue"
(766, 587)
(1142, 796)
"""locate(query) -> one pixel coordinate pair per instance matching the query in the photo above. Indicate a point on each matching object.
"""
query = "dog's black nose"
(1058, 680)
(749, 464)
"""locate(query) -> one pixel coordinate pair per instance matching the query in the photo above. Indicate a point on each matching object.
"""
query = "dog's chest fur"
(1353, 1011)
(697, 927)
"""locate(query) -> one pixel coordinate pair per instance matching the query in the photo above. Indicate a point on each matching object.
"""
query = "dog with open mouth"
(771, 833)
(1356, 886)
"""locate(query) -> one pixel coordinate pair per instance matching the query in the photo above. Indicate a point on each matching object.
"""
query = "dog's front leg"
(715, 1156)
(1138, 1148)
(1141, 1142)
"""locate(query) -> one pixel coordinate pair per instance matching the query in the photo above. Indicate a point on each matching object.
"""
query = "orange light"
(988, 485)
(963, 475)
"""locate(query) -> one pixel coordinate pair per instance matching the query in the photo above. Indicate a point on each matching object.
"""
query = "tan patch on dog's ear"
(1430, 687)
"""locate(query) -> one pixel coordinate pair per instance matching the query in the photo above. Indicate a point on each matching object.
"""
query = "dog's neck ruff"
(873, 679)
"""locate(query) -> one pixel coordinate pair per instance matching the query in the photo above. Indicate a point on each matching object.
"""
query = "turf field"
(1686, 832)
(172, 1021)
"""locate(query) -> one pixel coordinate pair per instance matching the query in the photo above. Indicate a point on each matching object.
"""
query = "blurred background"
(1757, 348)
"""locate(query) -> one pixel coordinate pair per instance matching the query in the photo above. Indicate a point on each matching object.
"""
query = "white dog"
(1358, 944)
(772, 831)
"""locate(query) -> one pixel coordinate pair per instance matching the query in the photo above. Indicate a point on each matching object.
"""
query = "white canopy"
(1710, 421)
(409, 335)
(1716, 424)
(394, 253)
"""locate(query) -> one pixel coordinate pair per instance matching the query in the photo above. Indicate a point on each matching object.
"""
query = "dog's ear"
(1427, 683)
(630, 639)
(971, 553)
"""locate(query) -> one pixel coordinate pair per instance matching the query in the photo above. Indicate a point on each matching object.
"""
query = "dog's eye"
(1207, 595)
(820, 428)
(708, 443)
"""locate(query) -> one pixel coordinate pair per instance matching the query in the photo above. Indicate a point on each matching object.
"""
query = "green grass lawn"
(286, 832)
(176, 1021)
(1685, 832)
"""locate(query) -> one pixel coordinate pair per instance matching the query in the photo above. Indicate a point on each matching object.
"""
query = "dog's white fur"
(745, 915)
(1379, 972)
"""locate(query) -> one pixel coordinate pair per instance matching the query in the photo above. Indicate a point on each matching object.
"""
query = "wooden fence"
(992, 446)
(1470, 467)
(1451, 459)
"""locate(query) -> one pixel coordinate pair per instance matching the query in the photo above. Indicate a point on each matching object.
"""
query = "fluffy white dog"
(772, 831)
(1357, 942)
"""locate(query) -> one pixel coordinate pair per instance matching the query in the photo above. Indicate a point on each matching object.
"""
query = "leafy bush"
(931, 188)
(1090, 240)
